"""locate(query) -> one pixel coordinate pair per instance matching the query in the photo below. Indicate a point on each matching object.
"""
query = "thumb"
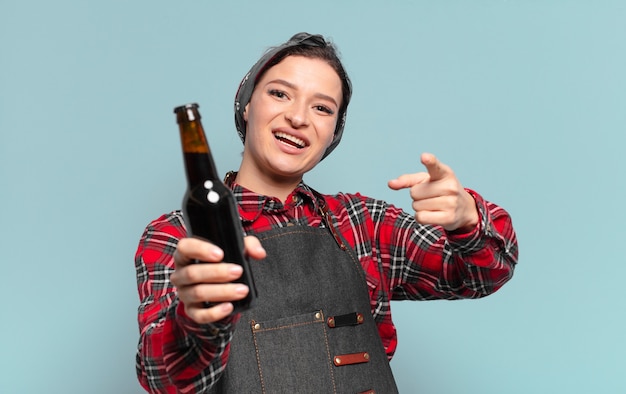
(436, 169)
(253, 247)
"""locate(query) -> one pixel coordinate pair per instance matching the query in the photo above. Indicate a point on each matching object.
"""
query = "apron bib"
(311, 328)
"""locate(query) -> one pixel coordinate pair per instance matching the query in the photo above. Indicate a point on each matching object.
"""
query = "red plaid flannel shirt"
(402, 260)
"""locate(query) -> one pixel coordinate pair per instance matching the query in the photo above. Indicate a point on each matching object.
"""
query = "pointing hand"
(438, 196)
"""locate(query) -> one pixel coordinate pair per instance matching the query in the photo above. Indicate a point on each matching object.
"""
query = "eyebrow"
(292, 86)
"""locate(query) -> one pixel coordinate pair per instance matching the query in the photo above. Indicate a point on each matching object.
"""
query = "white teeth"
(297, 141)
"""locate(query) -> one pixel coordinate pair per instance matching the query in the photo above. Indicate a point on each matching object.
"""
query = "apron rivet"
(366, 356)
(337, 360)
(257, 326)
(318, 315)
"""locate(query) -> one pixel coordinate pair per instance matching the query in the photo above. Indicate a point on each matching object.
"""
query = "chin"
(293, 167)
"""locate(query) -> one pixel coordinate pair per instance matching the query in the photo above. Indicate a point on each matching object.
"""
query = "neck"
(267, 185)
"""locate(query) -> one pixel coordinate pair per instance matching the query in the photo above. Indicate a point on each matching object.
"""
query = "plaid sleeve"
(405, 260)
(449, 265)
(174, 353)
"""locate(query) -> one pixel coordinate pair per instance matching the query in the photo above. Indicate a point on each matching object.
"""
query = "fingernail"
(235, 269)
(243, 289)
(217, 253)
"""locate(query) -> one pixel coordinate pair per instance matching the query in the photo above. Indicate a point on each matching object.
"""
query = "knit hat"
(246, 87)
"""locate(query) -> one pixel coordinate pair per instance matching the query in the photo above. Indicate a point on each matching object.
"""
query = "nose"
(297, 115)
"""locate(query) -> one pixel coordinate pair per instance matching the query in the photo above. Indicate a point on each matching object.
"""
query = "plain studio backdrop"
(525, 100)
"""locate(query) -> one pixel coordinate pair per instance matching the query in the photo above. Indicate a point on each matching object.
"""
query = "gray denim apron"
(311, 329)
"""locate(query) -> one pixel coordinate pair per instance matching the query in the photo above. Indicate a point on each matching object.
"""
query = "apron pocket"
(309, 370)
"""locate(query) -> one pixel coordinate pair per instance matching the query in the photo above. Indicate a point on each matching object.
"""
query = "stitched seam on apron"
(328, 355)
(288, 233)
(330, 366)
(258, 361)
(288, 326)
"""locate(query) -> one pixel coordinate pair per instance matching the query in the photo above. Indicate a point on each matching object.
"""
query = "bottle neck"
(199, 168)
(199, 164)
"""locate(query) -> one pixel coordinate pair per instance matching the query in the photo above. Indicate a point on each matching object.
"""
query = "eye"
(325, 109)
(277, 93)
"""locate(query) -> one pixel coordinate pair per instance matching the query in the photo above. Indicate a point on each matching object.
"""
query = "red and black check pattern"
(402, 260)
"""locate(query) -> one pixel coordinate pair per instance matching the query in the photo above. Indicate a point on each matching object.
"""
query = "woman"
(326, 267)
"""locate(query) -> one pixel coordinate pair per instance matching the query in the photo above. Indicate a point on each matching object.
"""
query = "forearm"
(174, 353)
(177, 355)
(452, 265)
(489, 252)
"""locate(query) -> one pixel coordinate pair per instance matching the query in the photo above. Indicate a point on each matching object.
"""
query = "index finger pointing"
(436, 169)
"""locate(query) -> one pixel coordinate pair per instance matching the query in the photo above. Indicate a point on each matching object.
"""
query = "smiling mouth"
(290, 140)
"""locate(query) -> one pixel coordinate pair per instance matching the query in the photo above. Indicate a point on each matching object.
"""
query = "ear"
(245, 112)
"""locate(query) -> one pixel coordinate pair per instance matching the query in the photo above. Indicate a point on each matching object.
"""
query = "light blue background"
(526, 100)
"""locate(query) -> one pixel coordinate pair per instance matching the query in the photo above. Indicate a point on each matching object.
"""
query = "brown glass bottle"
(209, 207)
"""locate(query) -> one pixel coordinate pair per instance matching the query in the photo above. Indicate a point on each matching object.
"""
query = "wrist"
(472, 217)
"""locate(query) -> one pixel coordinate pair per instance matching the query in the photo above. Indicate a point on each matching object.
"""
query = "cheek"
(329, 133)
(253, 120)
(261, 111)
(330, 140)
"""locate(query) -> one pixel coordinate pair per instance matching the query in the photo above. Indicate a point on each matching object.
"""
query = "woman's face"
(291, 119)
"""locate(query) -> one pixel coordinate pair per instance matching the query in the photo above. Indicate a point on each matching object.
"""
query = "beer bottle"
(209, 207)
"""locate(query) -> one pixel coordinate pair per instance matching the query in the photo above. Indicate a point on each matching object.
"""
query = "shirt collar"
(251, 205)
